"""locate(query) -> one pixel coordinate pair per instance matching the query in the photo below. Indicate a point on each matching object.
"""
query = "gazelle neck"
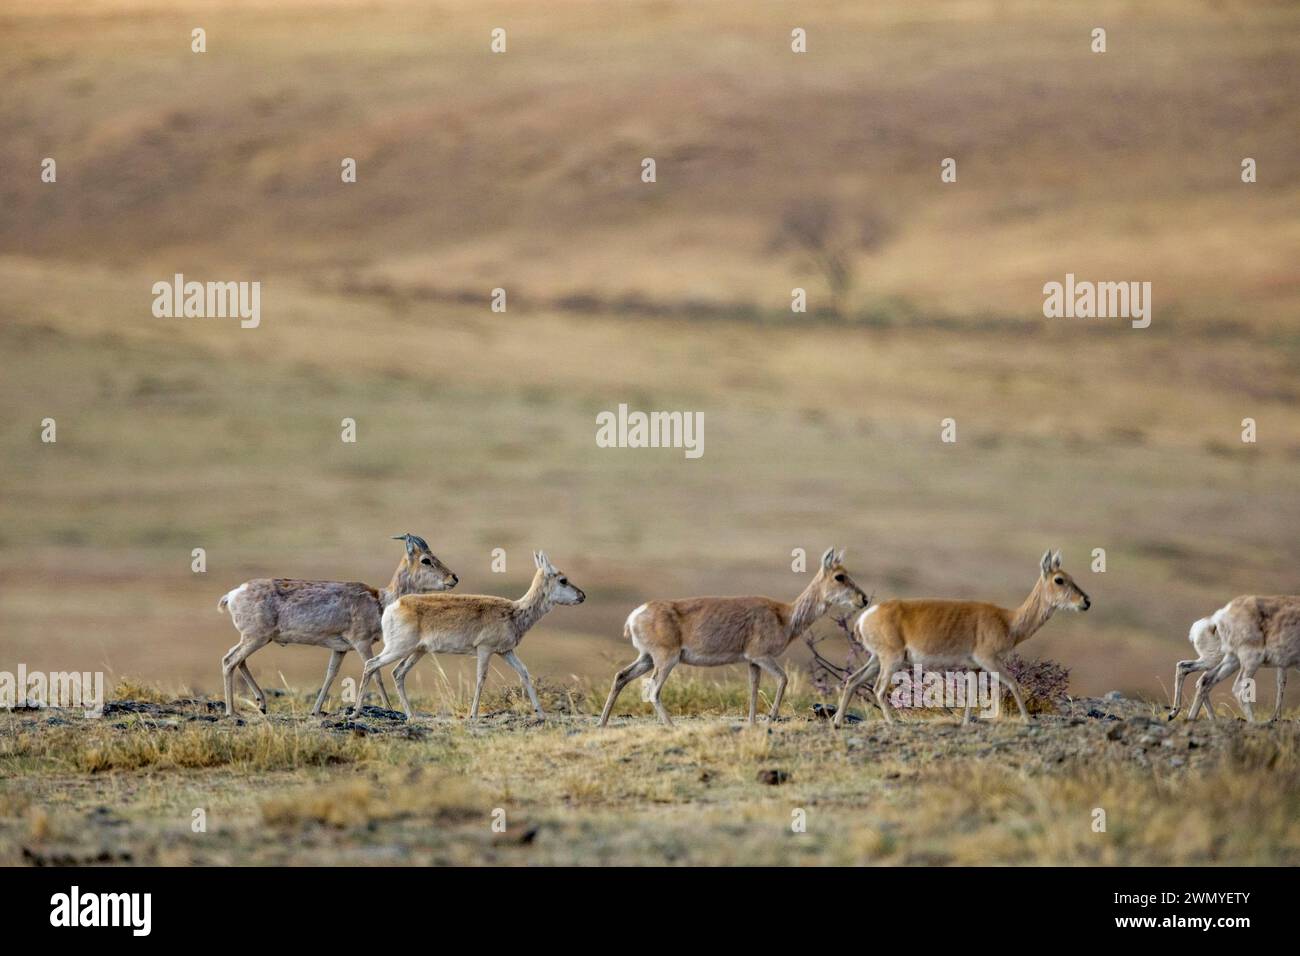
(399, 585)
(807, 607)
(530, 608)
(1031, 615)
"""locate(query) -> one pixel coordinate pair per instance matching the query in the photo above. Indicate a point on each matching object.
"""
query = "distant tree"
(831, 241)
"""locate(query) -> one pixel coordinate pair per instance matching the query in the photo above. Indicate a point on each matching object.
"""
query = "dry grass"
(924, 791)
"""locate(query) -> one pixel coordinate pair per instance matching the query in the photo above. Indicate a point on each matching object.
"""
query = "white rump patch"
(631, 629)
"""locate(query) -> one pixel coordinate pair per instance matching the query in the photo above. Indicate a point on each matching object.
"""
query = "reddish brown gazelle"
(957, 634)
(709, 631)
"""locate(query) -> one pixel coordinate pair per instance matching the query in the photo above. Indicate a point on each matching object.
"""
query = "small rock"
(521, 835)
(1112, 695)
(381, 713)
(827, 712)
(1116, 732)
(773, 777)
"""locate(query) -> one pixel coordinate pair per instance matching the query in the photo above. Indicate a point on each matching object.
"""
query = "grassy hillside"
(521, 171)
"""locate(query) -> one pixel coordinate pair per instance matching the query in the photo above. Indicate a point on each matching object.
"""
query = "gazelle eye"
(564, 581)
(839, 578)
(1059, 580)
(426, 560)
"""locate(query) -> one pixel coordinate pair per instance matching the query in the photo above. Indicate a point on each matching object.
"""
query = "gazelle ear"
(1056, 561)
(410, 545)
(839, 556)
(828, 559)
(1046, 563)
(539, 559)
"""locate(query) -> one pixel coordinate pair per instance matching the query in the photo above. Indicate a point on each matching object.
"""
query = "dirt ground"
(509, 789)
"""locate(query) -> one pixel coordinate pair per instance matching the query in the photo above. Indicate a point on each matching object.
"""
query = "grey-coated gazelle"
(711, 631)
(1254, 631)
(337, 615)
(1204, 637)
(957, 634)
(477, 624)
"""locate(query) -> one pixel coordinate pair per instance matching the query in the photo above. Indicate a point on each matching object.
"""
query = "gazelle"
(959, 634)
(710, 631)
(1204, 636)
(1255, 631)
(468, 624)
(340, 616)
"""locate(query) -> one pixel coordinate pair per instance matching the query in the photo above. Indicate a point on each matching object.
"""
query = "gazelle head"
(555, 585)
(424, 571)
(834, 584)
(1059, 588)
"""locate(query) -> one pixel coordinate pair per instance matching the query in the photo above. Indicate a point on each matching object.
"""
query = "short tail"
(224, 603)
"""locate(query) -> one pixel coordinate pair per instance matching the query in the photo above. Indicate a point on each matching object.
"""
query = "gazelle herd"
(413, 618)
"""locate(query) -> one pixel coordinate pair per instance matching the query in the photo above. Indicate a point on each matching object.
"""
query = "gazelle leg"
(1181, 670)
(372, 665)
(772, 667)
(245, 673)
(1203, 686)
(399, 678)
(1246, 680)
(484, 655)
(1281, 689)
(887, 669)
(621, 680)
(513, 660)
(662, 670)
(331, 671)
(367, 653)
(230, 663)
(753, 692)
(994, 666)
(864, 672)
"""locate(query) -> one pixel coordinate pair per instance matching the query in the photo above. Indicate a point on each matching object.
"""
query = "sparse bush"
(1044, 683)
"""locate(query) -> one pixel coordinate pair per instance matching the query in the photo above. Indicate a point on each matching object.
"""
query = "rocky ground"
(176, 782)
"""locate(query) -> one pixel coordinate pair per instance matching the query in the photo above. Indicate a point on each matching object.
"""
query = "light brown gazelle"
(338, 615)
(710, 631)
(1254, 631)
(957, 634)
(468, 624)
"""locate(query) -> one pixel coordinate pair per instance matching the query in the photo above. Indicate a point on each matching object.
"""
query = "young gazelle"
(1255, 631)
(1204, 637)
(959, 634)
(468, 624)
(709, 631)
(338, 615)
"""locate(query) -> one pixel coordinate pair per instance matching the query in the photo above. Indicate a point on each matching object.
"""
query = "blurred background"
(775, 170)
